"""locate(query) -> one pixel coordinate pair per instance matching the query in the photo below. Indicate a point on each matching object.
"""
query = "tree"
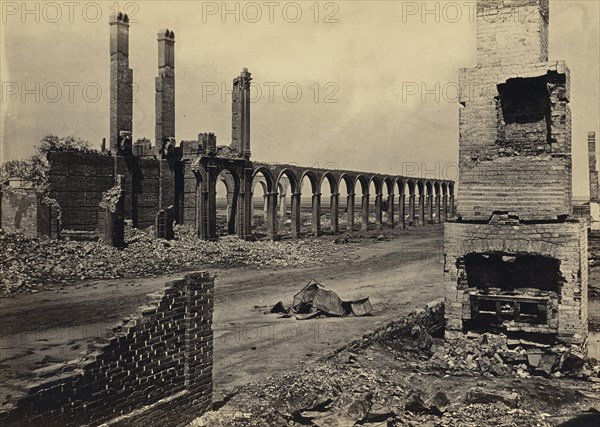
(35, 169)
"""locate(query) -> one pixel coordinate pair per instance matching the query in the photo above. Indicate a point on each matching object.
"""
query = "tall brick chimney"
(165, 88)
(512, 31)
(240, 109)
(594, 187)
(515, 260)
(121, 80)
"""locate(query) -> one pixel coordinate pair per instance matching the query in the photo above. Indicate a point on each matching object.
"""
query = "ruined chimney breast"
(512, 31)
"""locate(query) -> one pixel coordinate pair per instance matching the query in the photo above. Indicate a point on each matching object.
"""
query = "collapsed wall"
(154, 369)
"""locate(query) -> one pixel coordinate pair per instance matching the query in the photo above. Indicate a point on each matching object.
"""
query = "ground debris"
(35, 264)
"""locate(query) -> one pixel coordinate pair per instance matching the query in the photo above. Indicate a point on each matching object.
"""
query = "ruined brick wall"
(147, 192)
(77, 181)
(520, 168)
(19, 211)
(154, 370)
(566, 242)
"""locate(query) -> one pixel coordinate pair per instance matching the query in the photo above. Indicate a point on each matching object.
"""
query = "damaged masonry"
(516, 257)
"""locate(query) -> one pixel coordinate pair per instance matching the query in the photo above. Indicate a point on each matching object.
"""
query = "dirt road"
(397, 274)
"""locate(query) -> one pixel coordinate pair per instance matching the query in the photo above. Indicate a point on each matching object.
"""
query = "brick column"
(245, 204)
(365, 212)
(272, 215)
(334, 207)
(411, 209)
(282, 207)
(211, 203)
(350, 211)
(198, 338)
(444, 207)
(429, 209)
(316, 214)
(451, 207)
(265, 207)
(422, 220)
(296, 200)
(390, 212)
(438, 213)
(402, 209)
(378, 212)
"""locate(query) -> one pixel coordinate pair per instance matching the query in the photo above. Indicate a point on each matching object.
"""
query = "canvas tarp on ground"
(315, 297)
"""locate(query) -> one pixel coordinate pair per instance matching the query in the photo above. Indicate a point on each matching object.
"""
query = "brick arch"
(333, 184)
(350, 182)
(314, 181)
(412, 187)
(400, 184)
(420, 186)
(292, 178)
(378, 183)
(388, 182)
(514, 246)
(231, 180)
(364, 183)
(268, 177)
(444, 188)
(436, 188)
(428, 188)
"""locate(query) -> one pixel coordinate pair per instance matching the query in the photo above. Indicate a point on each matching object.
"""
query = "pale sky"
(366, 61)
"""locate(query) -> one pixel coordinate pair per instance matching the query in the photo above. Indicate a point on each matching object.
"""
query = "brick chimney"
(121, 80)
(165, 88)
(240, 119)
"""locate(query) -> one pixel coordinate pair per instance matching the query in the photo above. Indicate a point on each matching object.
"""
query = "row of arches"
(295, 201)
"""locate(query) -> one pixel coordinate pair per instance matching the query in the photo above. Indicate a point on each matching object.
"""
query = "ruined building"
(164, 183)
(516, 257)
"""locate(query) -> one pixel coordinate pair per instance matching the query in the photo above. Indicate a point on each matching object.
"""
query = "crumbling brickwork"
(165, 88)
(516, 258)
(154, 369)
(121, 80)
(566, 242)
(77, 181)
(240, 120)
(515, 141)
(593, 169)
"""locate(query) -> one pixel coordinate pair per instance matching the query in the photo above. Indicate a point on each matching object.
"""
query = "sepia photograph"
(344, 213)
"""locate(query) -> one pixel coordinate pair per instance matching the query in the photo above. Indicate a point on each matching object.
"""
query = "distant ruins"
(516, 257)
(162, 183)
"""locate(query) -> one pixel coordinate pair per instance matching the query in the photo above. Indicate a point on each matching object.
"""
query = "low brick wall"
(154, 369)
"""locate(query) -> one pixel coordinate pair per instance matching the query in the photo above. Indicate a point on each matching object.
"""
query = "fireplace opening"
(508, 292)
(507, 273)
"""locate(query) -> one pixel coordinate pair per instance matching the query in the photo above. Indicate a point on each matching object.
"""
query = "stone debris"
(37, 264)
(380, 380)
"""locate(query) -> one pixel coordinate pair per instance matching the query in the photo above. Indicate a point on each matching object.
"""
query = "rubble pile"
(489, 354)
(35, 264)
(399, 375)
